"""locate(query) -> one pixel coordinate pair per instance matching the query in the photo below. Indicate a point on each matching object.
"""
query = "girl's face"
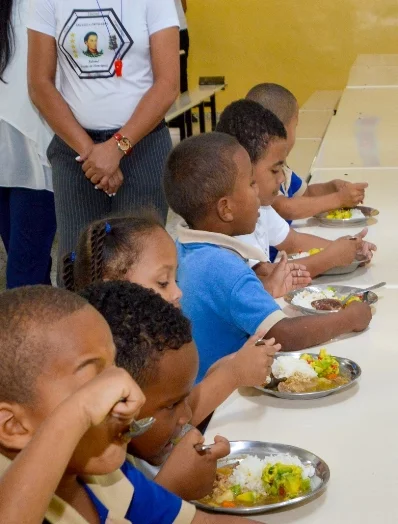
(157, 266)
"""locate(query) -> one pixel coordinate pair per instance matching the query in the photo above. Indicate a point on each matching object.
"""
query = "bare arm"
(57, 438)
(318, 190)
(303, 332)
(166, 73)
(184, 5)
(42, 65)
(341, 252)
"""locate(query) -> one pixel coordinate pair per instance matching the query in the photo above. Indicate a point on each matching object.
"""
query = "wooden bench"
(199, 97)
(373, 76)
(313, 124)
(303, 155)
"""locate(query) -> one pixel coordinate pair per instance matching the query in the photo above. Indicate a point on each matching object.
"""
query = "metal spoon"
(138, 427)
(334, 304)
(362, 291)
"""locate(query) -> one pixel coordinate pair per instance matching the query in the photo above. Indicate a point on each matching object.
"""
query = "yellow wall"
(304, 45)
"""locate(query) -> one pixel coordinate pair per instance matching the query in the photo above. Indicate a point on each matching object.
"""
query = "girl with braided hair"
(139, 250)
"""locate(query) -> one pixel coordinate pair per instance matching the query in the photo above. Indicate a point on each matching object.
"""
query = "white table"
(303, 155)
(313, 124)
(376, 60)
(355, 432)
(322, 101)
(373, 76)
(362, 133)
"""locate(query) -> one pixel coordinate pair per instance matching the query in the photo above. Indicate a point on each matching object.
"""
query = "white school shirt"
(122, 28)
(271, 230)
(181, 15)
(24, 135)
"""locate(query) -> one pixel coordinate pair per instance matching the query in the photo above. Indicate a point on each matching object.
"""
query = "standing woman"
(118, 62)
(27, 215)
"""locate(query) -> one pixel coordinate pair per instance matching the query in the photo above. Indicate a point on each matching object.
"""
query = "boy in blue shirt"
(209, 182)
(64, 412)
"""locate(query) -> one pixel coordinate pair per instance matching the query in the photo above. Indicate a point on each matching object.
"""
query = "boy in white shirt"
(264, 137)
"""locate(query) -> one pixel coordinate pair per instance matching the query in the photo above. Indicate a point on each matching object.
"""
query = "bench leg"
(202, 122)
(188, 122)
(213, 112)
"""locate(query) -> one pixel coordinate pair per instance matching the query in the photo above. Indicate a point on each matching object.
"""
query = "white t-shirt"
(271, 230)
(181, 15)
(89, 40)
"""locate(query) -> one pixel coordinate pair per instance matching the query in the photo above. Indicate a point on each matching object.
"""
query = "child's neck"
(73, 493)
(214, 226)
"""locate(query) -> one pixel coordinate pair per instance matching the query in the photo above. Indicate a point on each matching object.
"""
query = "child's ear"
(224, 210)
(15, 430)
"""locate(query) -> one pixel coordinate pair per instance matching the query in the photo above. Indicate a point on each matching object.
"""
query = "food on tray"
(307, 374)
(303, 254)
(307, 298)
(341, 214)
(253, 481)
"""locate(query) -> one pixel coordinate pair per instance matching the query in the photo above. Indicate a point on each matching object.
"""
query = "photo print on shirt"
(92, 40)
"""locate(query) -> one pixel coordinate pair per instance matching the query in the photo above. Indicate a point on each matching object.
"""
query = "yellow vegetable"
(339, 214)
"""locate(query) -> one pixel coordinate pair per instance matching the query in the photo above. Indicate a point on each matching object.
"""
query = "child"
(154, 344)
(209, 182)
(263, 136)
(312, 199)
(139, 250)
(60, 398)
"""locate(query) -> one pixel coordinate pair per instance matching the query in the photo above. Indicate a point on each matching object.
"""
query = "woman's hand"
(102, 161)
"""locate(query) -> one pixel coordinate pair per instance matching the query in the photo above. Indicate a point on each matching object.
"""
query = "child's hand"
(343, 251)
(352, 194)
(112, 392)
(189, 473)
(252, 364)
(360, 315)
(263, 269)
(285, 277)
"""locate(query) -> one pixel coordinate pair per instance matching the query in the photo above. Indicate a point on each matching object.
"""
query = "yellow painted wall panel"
(304, 45)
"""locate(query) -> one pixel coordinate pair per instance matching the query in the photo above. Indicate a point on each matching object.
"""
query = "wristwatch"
(123, 143)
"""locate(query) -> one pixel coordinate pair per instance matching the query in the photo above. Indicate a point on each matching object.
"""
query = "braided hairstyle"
(107, 249)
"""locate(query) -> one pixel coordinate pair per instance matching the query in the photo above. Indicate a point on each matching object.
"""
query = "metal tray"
(242, 448)
(349, 366)
(348, 222)
(339, 270)
(340, 291)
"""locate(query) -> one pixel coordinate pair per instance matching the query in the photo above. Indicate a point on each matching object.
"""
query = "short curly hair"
(199, 171)
(253, 126)
(25, 315)
(144, 326)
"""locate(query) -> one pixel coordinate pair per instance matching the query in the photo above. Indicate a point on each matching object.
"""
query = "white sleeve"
(42, 16)
(278, 228)
(160, 15)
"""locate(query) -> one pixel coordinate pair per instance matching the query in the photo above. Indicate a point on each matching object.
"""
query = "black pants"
(184, 46)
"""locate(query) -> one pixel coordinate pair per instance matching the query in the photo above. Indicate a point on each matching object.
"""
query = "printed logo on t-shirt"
(92, 40)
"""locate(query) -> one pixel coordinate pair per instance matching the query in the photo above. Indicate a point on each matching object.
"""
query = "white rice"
(305, 297)
(285, 367)
(300, 255)
(248, 473)
(357, 213)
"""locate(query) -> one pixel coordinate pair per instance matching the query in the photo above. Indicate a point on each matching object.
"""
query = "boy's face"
(268, 171)
(167, 401)
(244, 200)
(291, 128)
(81, 346)
(157, 267)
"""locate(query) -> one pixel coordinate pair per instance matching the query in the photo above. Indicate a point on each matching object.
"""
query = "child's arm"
(248, 367)
(27, 487)
(310, 330)
(340, 252)
(319, 198)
